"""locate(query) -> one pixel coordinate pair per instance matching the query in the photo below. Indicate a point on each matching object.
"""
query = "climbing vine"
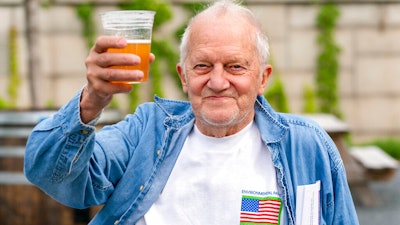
(309, 99)
(85, 14)
(276, 96)
(327, 59)
(14, 80)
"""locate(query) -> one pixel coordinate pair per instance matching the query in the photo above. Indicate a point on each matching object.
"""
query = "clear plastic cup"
(136, 26)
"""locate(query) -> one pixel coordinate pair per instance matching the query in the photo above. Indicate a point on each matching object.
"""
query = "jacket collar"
(271, 124)
(179, 113)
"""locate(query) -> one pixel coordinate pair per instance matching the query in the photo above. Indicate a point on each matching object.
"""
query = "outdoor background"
(347, 52)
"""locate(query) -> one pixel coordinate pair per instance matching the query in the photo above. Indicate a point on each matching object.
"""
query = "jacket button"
(116, 222)
(141, 188)
(84, 131)
(159, 152)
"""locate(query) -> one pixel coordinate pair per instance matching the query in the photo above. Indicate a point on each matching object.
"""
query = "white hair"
(234, 8)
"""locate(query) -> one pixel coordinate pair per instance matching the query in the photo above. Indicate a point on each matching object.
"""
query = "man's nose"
(218, 79)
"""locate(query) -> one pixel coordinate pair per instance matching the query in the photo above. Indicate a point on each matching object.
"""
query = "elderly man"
(224, 157)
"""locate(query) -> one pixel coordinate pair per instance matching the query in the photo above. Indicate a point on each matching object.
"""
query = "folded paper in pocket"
(308, 204)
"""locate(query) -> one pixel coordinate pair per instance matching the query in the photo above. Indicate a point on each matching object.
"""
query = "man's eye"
(236, 67)
(200, 66)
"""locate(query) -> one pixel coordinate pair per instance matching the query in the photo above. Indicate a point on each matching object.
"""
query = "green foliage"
(193, 9)
(276, 96)
(46, 3)
(85, 14)
(309, 100)
(162, 8)
(170, 56)
(14, 80)
(327, 59)
(390, 145)
(113, 104)
(3, 104)
(50, 104)
(134, 97)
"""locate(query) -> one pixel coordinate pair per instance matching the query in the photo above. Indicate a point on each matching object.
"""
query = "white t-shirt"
(222, 181)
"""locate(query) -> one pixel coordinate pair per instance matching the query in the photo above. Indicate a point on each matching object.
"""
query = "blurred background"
(335, 61)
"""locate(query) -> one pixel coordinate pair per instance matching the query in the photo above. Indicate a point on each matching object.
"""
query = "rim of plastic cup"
(150, 12)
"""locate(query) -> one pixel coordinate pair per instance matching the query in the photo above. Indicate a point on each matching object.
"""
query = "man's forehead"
(225, 52)
(222, 55)
(221, 32)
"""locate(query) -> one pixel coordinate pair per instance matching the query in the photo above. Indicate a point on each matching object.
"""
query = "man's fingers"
(105, 42)
(152, 57)
(117, 59)
(112, 75)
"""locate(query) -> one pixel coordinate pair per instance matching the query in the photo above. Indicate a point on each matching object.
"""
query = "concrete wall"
(368, 33)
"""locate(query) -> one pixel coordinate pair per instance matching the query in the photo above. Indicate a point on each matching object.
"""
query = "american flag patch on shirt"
(260, 210)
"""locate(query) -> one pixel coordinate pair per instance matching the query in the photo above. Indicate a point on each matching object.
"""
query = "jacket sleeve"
(343, 210)
(338, 206)
(60, 159)
(311, 155)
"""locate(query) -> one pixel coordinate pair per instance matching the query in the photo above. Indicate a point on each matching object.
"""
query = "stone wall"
(368, 33)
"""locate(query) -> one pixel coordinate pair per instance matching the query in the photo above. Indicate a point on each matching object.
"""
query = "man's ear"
(182, 76)
(264, 78)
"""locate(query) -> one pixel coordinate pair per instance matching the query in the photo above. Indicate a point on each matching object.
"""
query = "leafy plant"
(50, 104)
(193, 8)
(390, 145)
(327, 60)
(276, 95)
(3, 104)
(309, 99)
(85, 14)
(14, 80)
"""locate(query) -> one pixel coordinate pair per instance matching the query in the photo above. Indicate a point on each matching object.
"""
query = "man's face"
(222, 74)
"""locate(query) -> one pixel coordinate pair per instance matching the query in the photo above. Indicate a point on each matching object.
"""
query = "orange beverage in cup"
(140, 48)
(136, 27)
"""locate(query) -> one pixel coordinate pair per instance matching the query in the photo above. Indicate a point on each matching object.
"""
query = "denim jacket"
(125, 166)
